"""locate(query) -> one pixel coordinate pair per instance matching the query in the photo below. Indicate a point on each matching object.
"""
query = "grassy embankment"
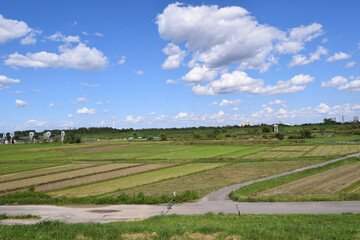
(208, 226)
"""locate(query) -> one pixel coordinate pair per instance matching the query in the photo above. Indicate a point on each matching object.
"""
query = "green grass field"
(208, 226)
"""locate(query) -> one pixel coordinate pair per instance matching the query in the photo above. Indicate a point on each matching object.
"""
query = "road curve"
(216, 202)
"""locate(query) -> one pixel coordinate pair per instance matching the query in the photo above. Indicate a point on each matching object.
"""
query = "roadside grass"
(134, 180)
(211, 180)
(248, 193)
(32, 197)
(208, 226)
(4, 217)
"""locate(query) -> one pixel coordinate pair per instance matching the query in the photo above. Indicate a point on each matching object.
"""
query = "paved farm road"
(214, 202)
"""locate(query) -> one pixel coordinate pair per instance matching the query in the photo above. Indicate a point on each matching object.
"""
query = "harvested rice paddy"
(328, 182)
(22, 183)
(135, 180)
(101, 176)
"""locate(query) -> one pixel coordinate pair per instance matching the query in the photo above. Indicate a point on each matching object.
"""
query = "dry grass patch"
(294, 148)
(101, 177)
(334, 150)
(273, 154)
(23, 183)
(45, 171)
(135, 180)
(328, 182)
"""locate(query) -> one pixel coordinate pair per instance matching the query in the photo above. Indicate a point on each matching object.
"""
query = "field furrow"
(22, 183)
(328, 182)
(101, 177)
(135, 180)
(45, 171)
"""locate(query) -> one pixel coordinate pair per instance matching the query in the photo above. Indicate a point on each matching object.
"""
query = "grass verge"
(4, 217)
(208, 226)
(246, 194)
(31, 197)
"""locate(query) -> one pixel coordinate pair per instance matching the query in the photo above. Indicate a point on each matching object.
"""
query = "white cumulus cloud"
(239, 82)
(225, 102)
(12, 29)
(6, 81)
(335, 81)
(300, 59)
(338, 56)
(350, 64)
(175, 56)
(85, 110)
(80, 57)
(21, 103)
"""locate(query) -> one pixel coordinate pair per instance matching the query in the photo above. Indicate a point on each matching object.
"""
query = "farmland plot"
(211, 180)
(273, 154)
(334, 150)
(135, 180)
(198, 152)
(293, 148)
(328, 182)
(101, 177)
(45, 171)
(22, 183)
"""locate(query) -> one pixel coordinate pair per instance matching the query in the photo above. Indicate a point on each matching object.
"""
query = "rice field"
(101, 177)
(135, 180)
(198, 152)
(293, 148)
(214, 179)
(333, 150)
(23, 183)
(328, 182)
(45, 171)
(273, 154)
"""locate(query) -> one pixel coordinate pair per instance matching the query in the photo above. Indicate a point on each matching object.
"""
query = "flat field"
(327, 182)
(155, 168)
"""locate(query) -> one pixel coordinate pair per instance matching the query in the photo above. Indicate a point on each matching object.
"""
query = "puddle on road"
(104, 211)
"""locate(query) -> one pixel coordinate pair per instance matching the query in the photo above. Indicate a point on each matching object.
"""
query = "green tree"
(305, 133)
(163, 137)
(70, 137)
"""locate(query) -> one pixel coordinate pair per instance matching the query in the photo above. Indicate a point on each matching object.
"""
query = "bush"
(70, 137)
(279, 136)
(163, 137)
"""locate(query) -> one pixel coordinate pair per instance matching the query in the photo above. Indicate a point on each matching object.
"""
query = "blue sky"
(73, 64)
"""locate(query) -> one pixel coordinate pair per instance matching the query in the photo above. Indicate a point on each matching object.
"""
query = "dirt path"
(216, 202)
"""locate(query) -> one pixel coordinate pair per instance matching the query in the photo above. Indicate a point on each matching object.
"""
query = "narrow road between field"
(215, 202)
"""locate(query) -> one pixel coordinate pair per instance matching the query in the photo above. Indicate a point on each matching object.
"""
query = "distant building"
(334, 119)
(276, 128)
(343, 118)
(245, 124)
(356, 118)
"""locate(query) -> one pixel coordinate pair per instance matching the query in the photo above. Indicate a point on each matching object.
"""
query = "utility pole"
(113, 121)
